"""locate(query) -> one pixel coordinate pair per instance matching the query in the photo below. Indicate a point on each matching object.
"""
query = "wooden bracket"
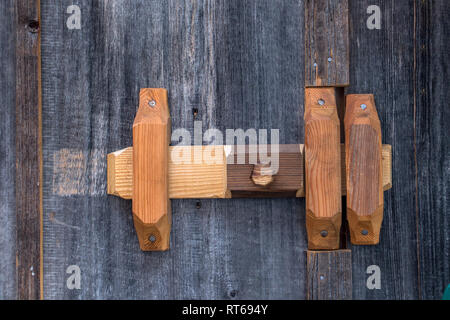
(151, 138)
(364, 169)
(322, 169)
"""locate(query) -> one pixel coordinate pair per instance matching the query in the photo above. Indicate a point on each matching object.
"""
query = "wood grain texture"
(383, 64)
(187, 179)
(329, 275)
(364, 169)
(220, 57)
(8, 283)
(322, 169)
(327, 45)
(28, 148)
(240, 64)
(287, 182)
(213, 180)
(152, 213)
(432, 146)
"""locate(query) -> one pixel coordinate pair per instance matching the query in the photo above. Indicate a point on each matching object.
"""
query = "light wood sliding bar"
(188, 180)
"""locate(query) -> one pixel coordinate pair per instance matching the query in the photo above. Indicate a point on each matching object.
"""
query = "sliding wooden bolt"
(151, 138)
(364, 169)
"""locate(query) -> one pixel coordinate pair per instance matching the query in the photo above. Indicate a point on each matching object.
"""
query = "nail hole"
(232, 293)
(195, 112)
(33, 26)
(198, 204)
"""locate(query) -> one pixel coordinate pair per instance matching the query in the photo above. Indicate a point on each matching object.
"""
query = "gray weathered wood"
(432, 146)
(28, 149)
(223, 58)
(329, 275)
(327, 46)
(240, 63)
(7, 153)
(382, 62)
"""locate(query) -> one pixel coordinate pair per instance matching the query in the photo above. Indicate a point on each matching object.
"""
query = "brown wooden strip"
(322, 169)
(151, 204)
(329, 275)
(364, 169)
(28, 151)
(327, 43)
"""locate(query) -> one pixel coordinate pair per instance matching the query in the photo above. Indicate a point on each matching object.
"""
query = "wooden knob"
(262, 175)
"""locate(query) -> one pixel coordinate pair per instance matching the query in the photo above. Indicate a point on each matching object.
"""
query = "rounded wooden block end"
(153, 236)
(323, 233)
(365, 230)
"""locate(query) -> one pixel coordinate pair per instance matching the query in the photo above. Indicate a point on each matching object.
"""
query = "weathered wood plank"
(432, 147)
(8, 284)
(28, 150)
(382, 63)
(240, 64)
(327, 45)
(329, 275)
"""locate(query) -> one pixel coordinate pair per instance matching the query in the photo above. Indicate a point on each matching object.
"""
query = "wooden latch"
(147, 174)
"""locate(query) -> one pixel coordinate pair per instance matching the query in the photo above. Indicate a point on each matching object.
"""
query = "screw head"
(364, 232)
(322, 277)
(152, 238)
(321, 102)
(330, 59)
(324, 233)
(152, 103)
(363, 106)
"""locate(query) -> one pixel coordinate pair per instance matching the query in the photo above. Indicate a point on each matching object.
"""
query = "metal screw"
(322, 278)
(152, 103)
(315, 64)
(324, 233)
(330, 59)
(363, 106)
(152, 238)
(321, 102)
(364, 232)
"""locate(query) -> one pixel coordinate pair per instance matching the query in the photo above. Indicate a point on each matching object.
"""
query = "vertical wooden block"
(329, 275)
(322, 169)
(364, 169)
(327, 45)
(151, 138)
